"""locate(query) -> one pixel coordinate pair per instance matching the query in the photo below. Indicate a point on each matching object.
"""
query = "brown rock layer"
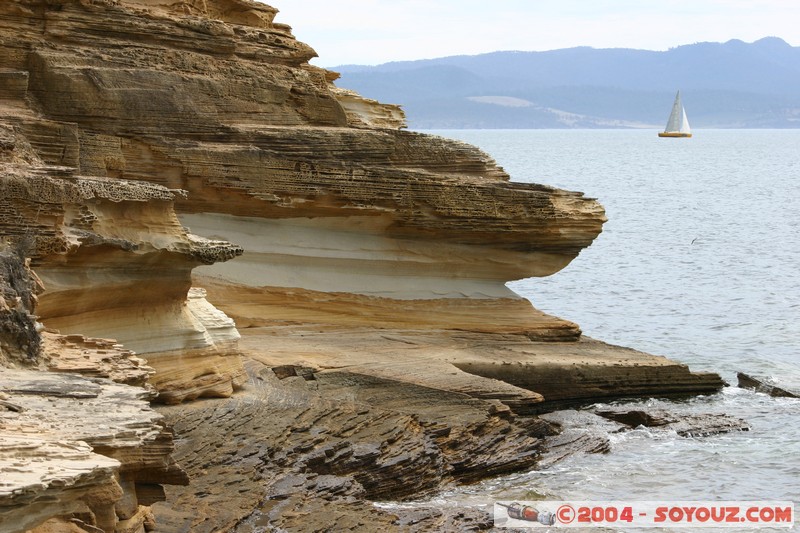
(277, 306)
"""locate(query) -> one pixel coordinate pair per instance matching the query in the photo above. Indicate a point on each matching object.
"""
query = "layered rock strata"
(75, 452)
(261, 141)
(90, 448)
(117, 263)
(386, 357)
(510, 368)
(310, 454)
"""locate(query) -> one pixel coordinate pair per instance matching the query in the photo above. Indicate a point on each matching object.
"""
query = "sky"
(371, 32)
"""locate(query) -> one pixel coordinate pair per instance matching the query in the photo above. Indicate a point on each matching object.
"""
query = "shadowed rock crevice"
(19, 334)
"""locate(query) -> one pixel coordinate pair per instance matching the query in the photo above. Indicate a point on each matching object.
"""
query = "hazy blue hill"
(732, 84)
(430, 81)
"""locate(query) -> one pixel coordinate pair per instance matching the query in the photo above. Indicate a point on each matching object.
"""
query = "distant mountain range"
(724, 85)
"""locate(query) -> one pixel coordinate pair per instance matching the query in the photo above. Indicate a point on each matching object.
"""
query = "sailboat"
(677, 124)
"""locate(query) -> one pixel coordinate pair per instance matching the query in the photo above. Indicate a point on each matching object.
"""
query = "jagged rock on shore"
(79, 446)
(685, 425)
(317, 451)
(765, 385)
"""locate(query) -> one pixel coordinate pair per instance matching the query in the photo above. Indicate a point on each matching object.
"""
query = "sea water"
(700, 262)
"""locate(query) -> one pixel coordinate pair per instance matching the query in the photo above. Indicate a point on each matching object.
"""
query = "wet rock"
(706, 425)
(634, 418)
(445, 519)
(575, 433)
(746, 381)
(685, 425)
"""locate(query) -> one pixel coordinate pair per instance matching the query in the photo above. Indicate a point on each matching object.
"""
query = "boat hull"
(673, 134)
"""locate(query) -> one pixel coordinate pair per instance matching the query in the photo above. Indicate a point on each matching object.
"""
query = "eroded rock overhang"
(324, 189)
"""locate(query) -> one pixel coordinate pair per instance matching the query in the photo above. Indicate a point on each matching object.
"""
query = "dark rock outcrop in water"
(696, 425)
(365, 264)
(760, 384)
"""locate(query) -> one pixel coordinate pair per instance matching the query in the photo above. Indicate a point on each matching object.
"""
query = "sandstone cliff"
(78, 437)
(183, 181)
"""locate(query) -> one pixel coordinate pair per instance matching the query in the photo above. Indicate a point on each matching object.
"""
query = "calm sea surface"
(700, 262)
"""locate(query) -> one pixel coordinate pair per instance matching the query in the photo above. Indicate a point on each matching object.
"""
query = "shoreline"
(358, 341)
(310, 428)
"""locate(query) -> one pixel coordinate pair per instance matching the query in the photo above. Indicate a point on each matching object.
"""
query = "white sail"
(677, 122)
(684, 123)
